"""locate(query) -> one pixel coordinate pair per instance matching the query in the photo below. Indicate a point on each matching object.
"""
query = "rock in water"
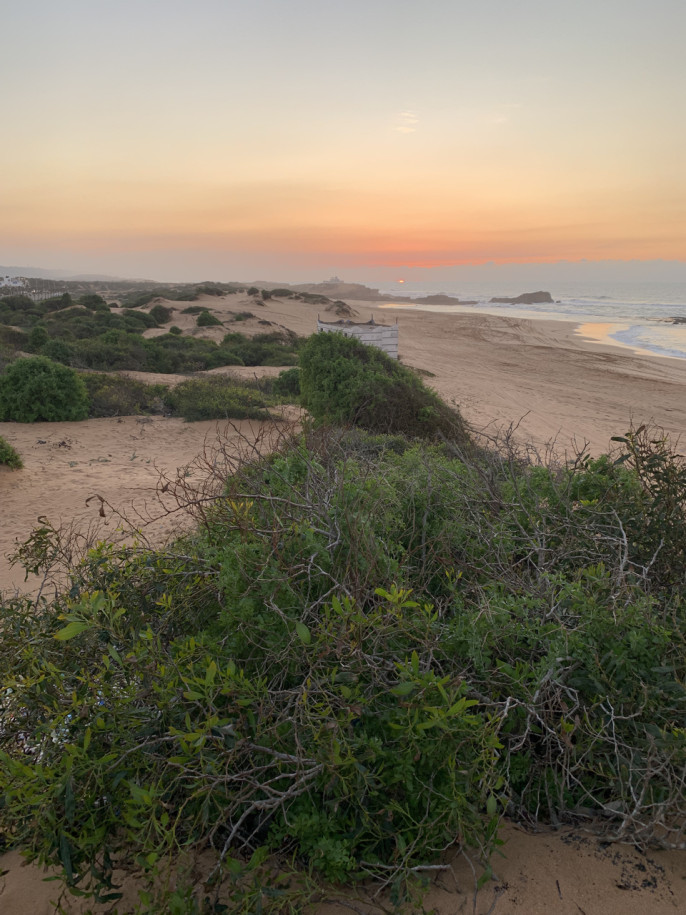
(527, 298)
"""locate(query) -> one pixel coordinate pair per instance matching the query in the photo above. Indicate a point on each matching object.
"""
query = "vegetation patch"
(39, 389)
(344, 382)
(217, 397)
(8, 456)
(207, 319)
(117, 395)
(369, 649)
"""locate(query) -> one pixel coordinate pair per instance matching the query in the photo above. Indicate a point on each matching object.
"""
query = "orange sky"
(374, 134)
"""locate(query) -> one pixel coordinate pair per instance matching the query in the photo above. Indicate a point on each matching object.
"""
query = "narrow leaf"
(72, 629)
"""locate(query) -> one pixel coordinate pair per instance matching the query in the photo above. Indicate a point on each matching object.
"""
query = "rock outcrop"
(528, 298)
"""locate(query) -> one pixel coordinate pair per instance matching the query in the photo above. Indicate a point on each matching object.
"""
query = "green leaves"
(71, 630)
(303, 633)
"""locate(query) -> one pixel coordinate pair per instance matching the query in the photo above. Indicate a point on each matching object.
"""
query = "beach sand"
(553, 384)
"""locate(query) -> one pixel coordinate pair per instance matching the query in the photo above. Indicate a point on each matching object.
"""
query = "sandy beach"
(555, 385)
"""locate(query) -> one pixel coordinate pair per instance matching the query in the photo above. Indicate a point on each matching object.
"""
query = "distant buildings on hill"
(13, 282)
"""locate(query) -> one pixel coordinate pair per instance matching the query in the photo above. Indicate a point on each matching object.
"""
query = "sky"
(292, 139)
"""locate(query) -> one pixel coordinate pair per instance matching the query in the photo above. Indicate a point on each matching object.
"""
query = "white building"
(12, 282)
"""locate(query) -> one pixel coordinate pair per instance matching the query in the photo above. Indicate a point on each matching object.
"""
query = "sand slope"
(101, 477)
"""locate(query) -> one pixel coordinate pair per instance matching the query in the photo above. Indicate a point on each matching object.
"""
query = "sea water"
(636, 315)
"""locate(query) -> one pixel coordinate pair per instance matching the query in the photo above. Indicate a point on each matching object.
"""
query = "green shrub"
(117, 395)
(8, 456)
(160, 313)
(366, 651)
(38, 389)
(58, 351)
(287, 384)
(37, 338)
(206, 319)
(263, 349)
(175, 331)
(93, 301)
(344, 382)
(13, 336)
(216, 397)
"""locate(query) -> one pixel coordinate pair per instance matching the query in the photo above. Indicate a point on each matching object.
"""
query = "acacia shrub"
(38, 389)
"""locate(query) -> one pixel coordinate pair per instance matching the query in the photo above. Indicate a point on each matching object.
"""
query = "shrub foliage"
(342, 381)
(8, 455)
(368, 649)
(39, 389)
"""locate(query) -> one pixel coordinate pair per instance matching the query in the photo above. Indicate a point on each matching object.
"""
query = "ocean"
(634, 315)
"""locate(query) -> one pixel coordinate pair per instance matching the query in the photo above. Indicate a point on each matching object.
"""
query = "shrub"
(287, 384)
(58, 351)
(37, 338)
(117, 395)
(93, 301)
(160, 313)
(263, 349)
(367, 650)
(344, 382)
(13, 336)
(217, 397)
(206, 319)
(8, 456)
(175, 331)
(39, 389)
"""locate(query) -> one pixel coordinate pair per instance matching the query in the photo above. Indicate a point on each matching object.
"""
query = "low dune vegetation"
(375, 642)
(80, 346)
(9, 456)
(87, 333)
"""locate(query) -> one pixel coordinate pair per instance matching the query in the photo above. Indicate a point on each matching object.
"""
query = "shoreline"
(598, 329)
(543, 376)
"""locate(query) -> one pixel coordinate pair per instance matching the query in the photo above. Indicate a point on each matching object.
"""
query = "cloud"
(406, 121)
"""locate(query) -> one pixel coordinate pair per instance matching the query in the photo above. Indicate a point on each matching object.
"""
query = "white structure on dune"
(383, 336)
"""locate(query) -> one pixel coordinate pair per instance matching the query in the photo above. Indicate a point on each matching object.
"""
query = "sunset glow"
(227, 138)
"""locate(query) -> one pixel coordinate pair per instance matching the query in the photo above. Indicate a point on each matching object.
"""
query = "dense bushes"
(217, 397)
(88, 335)
(342, 381)
(287, 384)
(117, 395)
(38, 389)
(369, 648)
